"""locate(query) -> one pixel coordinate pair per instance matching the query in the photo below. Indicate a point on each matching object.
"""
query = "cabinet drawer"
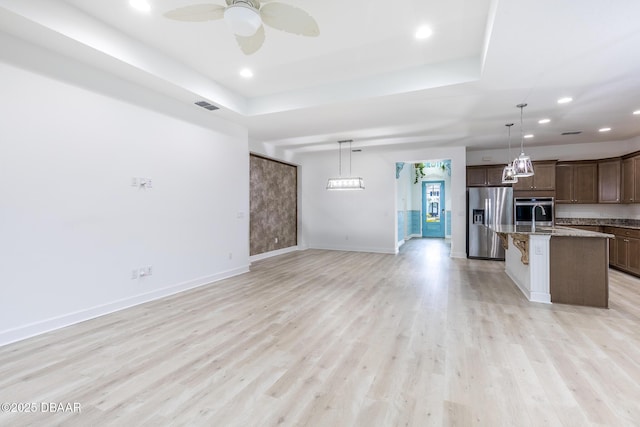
(628, 232)
(622, 232)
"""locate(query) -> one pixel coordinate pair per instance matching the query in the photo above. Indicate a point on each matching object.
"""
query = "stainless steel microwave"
(523, 210)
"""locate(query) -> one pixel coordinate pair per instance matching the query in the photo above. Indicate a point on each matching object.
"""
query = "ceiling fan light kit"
(242, 18)
(247, 18)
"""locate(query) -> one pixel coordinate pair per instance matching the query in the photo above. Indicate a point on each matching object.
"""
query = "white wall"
(72, 227)
(366, 220)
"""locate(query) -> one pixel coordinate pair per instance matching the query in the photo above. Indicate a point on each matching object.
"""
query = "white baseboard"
(48, 325)
(458, 254)
(273, 253)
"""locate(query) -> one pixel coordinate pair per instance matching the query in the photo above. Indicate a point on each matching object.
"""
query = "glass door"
(433, 209)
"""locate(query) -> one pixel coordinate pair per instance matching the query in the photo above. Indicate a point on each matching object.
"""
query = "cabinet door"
(636, 179)
(476, 176)
(585, 183)
(524, 183)
(612, 251)
(545, 176)
(628, 180)
(494, 175)
(622, 248)
(609, 173)
(633, 255)
(564, 183)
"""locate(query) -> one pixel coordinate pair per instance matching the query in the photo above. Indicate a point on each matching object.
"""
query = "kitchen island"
(557, 264)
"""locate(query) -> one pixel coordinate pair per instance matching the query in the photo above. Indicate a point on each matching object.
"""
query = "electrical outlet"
(276, 240)
(141, 272)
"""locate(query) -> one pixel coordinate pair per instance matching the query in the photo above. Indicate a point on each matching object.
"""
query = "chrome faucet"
(533, 216)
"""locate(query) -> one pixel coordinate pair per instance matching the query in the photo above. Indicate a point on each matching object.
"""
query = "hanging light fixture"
(509, 172)
(522, 164)
(348, 183)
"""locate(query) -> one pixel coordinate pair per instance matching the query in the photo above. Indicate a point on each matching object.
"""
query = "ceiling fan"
(245, 19)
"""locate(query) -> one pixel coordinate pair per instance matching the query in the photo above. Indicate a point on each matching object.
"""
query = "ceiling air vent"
(573, 132)
(205, 104)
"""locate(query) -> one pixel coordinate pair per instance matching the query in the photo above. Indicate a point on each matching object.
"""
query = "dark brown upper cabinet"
(544, 178)
(631, 179)
(609, 179)
(485, 176)
(577, 182)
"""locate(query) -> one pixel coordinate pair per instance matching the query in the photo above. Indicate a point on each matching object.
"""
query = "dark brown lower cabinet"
(624, 250)
(579, 271)
(627, 254)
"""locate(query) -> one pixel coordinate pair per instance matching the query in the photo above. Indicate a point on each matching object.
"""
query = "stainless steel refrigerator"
(487, 206)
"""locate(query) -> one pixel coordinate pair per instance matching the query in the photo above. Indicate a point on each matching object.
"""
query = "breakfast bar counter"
(557, 264)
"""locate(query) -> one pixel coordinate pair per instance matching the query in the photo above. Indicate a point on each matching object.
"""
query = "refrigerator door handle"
(487, 209)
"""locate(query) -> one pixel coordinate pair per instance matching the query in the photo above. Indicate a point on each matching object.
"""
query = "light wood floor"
(324, 338)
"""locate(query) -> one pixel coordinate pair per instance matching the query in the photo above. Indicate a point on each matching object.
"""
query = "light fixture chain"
(521, 130)
(521, 107)
(509, 159)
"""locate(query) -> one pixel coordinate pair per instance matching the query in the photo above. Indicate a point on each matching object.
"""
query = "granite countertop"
(557, 231)
(602, 222)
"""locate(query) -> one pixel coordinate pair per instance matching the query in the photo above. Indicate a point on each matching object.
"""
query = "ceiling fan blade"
(250, 45)
(197, 13)
(289, 18)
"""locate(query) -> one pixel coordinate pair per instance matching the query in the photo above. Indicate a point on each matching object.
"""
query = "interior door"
(433, 209)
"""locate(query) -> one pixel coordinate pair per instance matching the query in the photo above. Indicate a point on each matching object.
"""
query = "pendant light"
(522, 164)
(509, 173)
(348, 183)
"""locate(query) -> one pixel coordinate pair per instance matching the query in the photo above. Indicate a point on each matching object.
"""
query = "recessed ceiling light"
(141, 5)
(565, 100)
(637, 112)
(604, 129)
(246, 73)
(423, 32)
(544, 121)
(529, 135)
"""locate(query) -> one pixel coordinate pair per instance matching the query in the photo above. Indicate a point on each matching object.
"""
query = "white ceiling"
(365, 77)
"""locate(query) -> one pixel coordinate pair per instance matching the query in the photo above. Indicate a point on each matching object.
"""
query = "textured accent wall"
(274, 205)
